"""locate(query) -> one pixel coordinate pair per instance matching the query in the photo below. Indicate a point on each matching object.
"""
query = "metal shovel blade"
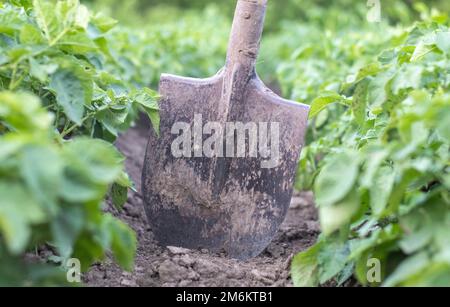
(230, 201)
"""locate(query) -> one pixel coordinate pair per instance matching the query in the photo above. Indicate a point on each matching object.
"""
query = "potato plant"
(378, 160)
(62, 101)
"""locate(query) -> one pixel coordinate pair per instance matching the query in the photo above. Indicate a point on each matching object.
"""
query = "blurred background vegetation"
(144, 11)
(180, 33)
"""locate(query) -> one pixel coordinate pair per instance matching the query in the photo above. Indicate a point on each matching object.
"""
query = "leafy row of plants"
(70, 81)
(63, 101)
(377, 155)
(138, 12)
(193, 45)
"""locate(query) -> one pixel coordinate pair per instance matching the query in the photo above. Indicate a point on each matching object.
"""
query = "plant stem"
(13, 76)
(73, 127)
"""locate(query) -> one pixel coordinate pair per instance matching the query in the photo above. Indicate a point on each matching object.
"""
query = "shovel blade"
(225, 204)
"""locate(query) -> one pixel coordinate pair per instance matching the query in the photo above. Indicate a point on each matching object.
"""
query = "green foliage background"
(61, 104)
(377, 155)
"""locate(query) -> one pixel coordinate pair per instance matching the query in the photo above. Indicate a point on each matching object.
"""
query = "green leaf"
(381, 189)
(332, 259)
(125, 181)
(359, 102)
(373, 163)
(57, 18)
(387, 56)
(154, 118)
(104, 23)
(424, 226)
(29, 34)
(41, 71)
(422, 49)
(16, 273)
(337, 178)
(378, 88)
(408, 269)
(304, 267)
(119, 195)
(345, 274)
(69, 94)
(336, 216)
(88, 249)
(93, 165)
(113, 120)
(11, 20)
(321, 102)
(46, 18)
(82, 17)
(123, 243)
(66, 228)
(77, 42)
(23, 112)
(97, 159)
(409, 77)
(77, 187)
(369, 70)
(374, 238)
(10, 145)
(18, 211)
(148, 99)
(41, 168)
(443, 41)
(417, 240)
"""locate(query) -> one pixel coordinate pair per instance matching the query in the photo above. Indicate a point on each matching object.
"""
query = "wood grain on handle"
(246, 34)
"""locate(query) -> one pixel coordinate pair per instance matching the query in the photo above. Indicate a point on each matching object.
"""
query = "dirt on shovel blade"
(172, 266)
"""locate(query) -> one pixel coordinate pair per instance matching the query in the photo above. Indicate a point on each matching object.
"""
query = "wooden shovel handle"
(246, 32)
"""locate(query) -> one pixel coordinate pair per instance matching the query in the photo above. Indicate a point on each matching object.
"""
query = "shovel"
(219, 174)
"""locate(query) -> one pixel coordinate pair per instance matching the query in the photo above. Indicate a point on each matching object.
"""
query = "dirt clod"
(177, 250)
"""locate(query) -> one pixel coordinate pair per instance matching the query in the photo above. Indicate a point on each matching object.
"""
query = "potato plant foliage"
(63, 100)
(378, 153)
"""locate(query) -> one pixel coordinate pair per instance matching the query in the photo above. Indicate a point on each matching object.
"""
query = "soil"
(171, 266)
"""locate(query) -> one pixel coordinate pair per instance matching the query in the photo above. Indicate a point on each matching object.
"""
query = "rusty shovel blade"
(220, 174)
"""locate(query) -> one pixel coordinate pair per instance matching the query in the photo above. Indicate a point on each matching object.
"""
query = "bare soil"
(172, 266)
